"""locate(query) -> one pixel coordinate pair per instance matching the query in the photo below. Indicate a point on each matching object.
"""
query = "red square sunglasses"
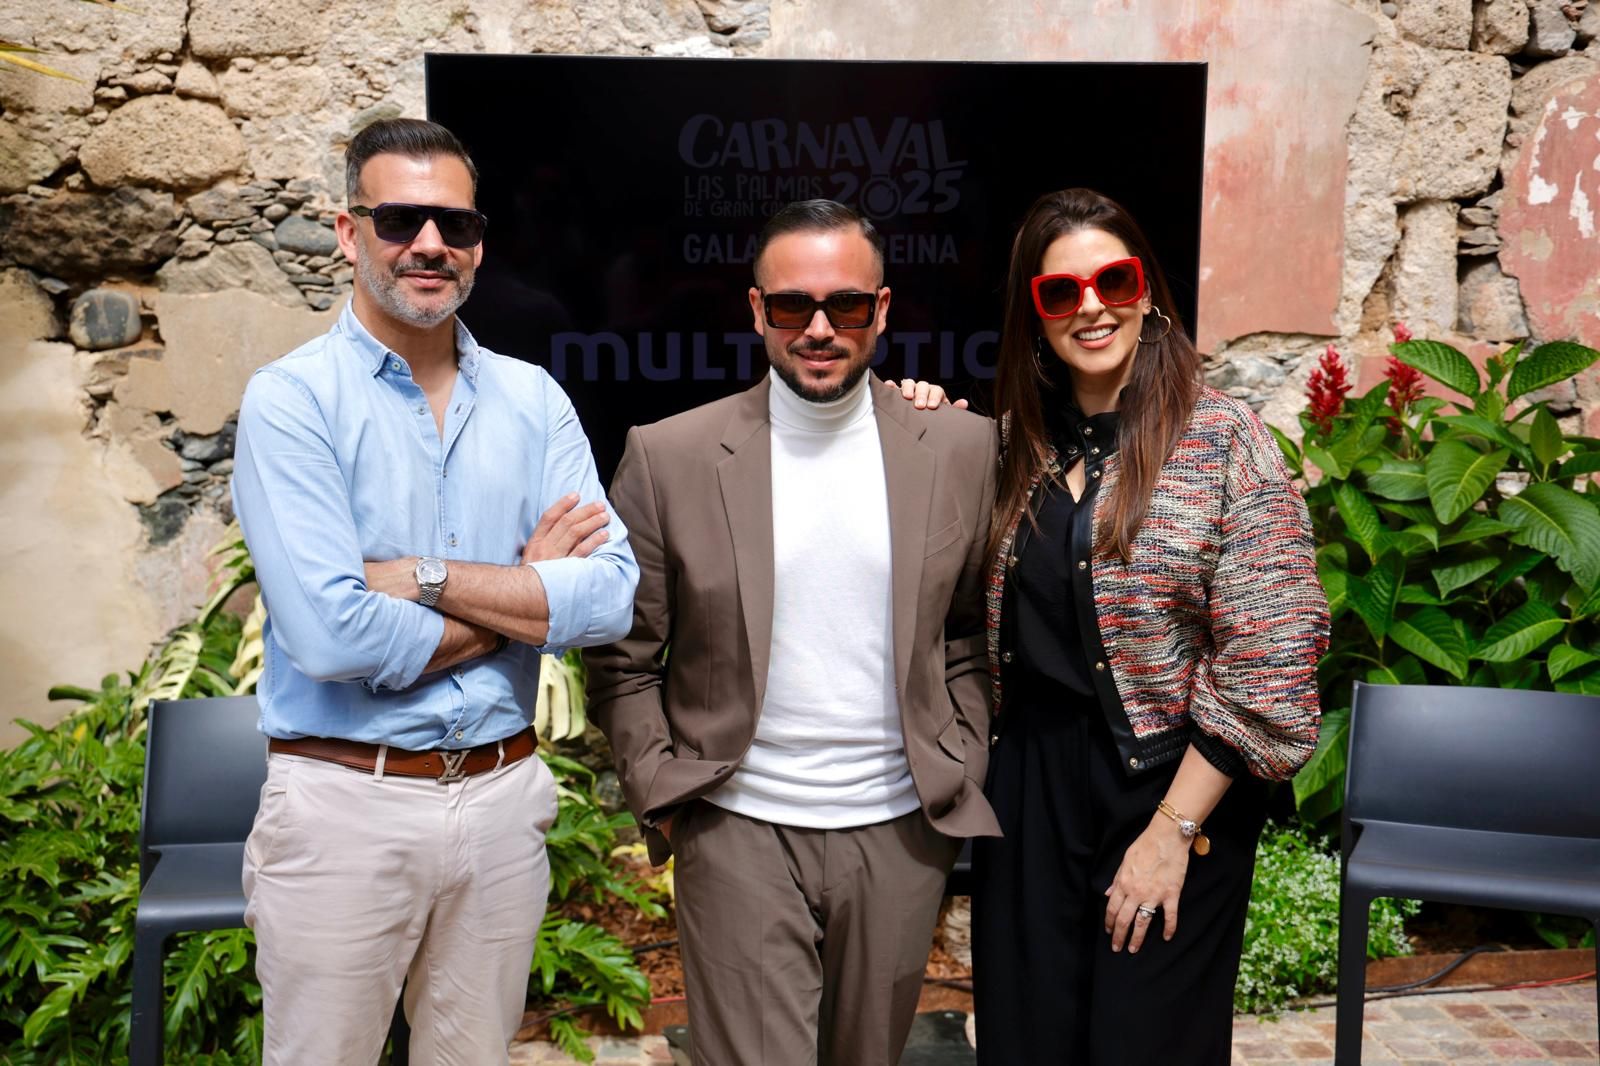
(1060, 295)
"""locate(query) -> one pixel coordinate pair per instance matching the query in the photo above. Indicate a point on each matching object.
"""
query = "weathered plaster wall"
(1284, 78)
(165, 219)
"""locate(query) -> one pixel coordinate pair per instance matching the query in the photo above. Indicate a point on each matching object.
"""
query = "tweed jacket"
(1212, 633)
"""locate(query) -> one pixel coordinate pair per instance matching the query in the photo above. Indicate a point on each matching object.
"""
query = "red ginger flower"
(1405, 385)
(1401, 333)
(1326, 389)
(1405, 389)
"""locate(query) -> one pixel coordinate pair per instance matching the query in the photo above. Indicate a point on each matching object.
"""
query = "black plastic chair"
(204, 765)
(1483, 797)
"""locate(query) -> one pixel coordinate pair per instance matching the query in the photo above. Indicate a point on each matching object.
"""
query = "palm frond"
(234, 570)
(11, 52)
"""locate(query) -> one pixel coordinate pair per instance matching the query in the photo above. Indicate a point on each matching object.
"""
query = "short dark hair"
(414, 137)
(812, 216)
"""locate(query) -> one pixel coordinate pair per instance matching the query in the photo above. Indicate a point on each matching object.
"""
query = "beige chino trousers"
(355, 883)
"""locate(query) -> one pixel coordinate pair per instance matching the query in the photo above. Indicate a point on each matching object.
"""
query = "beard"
(820, 392)
(384, 285)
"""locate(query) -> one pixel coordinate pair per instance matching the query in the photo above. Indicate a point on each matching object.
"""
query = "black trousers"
(1048, 988)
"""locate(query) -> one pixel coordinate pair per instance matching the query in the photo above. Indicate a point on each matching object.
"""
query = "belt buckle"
(452, 766)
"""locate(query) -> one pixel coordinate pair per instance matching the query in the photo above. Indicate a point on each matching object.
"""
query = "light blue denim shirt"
(339, 461)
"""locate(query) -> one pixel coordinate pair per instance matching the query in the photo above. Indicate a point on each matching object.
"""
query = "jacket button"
(1005, 656)
(1094, 474)
(1100, 666)
(1094, 451)
(994, 738)
(1011, 561)
(1134, 762)
(1082, 564)
(1088, 431)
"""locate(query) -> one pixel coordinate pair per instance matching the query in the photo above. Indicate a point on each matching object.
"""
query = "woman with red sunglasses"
(1155, 622)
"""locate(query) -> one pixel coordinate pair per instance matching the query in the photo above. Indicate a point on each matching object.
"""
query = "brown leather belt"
(445, 766)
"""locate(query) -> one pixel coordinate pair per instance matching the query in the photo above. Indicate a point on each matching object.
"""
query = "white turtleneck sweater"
(828, 751)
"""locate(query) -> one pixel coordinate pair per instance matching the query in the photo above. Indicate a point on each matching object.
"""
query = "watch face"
(431, 571)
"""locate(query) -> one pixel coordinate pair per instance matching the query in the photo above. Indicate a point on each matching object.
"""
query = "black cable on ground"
(1431, 978)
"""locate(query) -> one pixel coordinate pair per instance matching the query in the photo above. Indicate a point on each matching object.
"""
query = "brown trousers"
(804, 946)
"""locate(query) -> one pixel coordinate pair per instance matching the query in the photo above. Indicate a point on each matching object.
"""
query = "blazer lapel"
(745, 477)
(908, 470)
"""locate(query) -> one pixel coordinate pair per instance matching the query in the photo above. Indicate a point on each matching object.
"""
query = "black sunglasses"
(400, 223)
(844, 310)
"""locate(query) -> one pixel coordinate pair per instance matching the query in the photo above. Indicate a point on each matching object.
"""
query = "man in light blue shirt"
(425, 518)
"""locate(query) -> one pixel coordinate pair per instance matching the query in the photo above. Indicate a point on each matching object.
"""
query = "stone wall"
(1462, 100)
(165, 219)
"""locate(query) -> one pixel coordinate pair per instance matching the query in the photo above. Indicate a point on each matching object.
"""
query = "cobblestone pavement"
(1544, 1025)
(1533, 1025)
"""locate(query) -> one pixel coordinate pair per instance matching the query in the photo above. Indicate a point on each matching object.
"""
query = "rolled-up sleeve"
(590, 599)
(294, 509)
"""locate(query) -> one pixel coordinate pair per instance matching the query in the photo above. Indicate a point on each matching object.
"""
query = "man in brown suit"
(801, 707)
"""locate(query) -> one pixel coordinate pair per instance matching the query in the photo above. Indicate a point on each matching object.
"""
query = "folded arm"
(574, 583)
(290, 496)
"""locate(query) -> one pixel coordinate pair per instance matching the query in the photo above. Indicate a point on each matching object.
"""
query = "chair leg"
(1352, 978)
(145, 1036)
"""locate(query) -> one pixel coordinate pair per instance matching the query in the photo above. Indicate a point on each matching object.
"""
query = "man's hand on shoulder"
(925, 395)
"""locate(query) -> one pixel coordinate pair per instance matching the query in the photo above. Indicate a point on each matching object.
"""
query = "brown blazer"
(679, 697)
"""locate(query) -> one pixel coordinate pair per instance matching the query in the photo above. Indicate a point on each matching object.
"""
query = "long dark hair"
(1161, 392)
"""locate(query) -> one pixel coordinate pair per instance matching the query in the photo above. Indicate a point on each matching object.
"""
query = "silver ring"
(1145, 912)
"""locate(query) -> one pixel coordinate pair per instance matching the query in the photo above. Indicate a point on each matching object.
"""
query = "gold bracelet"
(1190, 829)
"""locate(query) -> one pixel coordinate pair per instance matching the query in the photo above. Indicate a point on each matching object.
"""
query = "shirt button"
(1100, 666)
(1005, 656)
(422, 408)
(459, 734)
(395, 366)
(1082, 565)
(452, 540)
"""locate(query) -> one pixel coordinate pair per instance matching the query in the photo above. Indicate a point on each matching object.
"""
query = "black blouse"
(1052, 587)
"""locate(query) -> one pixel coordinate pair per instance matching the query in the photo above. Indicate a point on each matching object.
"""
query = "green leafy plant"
(1291, 932)
(69, 816)
(69, 812)
(1458, 539)
(578, 964)
(1561, 930)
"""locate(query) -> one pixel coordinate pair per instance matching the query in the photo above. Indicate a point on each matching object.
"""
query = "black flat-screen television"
(625, 193)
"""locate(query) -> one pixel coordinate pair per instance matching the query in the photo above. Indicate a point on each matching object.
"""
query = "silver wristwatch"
(431, 575)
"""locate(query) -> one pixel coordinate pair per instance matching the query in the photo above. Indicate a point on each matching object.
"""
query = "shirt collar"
(1067, 424)
(374, 355)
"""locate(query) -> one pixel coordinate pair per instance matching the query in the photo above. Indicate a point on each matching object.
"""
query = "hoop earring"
(1163, 334)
